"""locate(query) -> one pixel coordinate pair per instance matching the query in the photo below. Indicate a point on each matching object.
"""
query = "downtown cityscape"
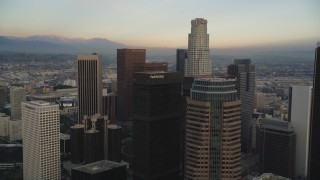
(93, 109)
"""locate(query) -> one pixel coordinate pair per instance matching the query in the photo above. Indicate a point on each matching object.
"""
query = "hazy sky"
(164, 23)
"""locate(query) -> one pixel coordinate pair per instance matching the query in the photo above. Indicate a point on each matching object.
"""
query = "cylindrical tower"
(77, 143)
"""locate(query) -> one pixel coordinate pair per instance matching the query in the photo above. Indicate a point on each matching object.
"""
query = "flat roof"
(154, 72)
(276, 124)
(10, 145)
(113, 126)
(99, 166)
(64, 136)
(215, 79)
(38, 103)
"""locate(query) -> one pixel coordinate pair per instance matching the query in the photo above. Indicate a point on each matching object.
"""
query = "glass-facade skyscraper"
(314, 160)
(213, 130)
(245, 74)
(157, 115)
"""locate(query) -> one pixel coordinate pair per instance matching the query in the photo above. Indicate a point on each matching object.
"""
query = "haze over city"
(143, 23)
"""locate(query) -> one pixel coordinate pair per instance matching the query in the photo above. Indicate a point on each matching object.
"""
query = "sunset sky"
(165, 23)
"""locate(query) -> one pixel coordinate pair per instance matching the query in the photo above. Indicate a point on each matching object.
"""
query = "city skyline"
(165, 24)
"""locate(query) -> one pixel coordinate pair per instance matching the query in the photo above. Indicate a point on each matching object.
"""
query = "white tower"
(299, 115)
(41, 143)
(198, 62)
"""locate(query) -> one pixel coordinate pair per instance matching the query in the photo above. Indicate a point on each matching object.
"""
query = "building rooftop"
(276, 124)
(113, 126)
(215, 79)
(39, 103)
(154, 72)
(270, 176)
(99, 166)
(76, 126)
(68, 99)
(3, 115)
(43, 96)
(64, 136)
(10, 145)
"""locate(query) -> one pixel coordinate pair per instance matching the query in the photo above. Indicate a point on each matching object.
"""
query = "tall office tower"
(109, 104)
(77, 143)
(181, 57)
(114, 142)
(89, 85)
(128, 62)
(245, 74)
(17, 95)
(277, 147)
(212, 142)
(156, 125)
(198, 62)
(4, 124)
(314, 158)
(95, 138)
(156, 66)
(41, 140)
(3, 95)
(299, 116)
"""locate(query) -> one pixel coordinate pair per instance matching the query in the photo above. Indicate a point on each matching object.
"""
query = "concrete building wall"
(17, 95)
(4, 124)
(15, 130)
(41, 140)
(300, 109)
(199, 61)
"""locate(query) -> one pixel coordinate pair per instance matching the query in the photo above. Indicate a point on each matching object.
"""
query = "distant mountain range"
(58, 44)
(61, 45)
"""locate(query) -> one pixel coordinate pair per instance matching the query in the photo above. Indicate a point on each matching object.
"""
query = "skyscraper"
(181, 56)
(299, 116)
(128, 62)
(314, 160)
(277, 147)
(89, 85)
(3, 95)
(212, 142)
(245, 74)
(198, 62)
(41, 140)
(156, 125)
(17, 95)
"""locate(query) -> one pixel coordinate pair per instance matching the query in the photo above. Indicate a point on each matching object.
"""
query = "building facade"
(3, 95)
(128, 62)
(156, 125)
(156, 66)
(41, 140)
(4, 124)
(245, 74)
(299, 116)
(15, 130)
(213, 130)
(17, 95)
(89, 85)
(109, 104)
(198, 62)
(181, 56)
(277, 147)
(314, 158)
